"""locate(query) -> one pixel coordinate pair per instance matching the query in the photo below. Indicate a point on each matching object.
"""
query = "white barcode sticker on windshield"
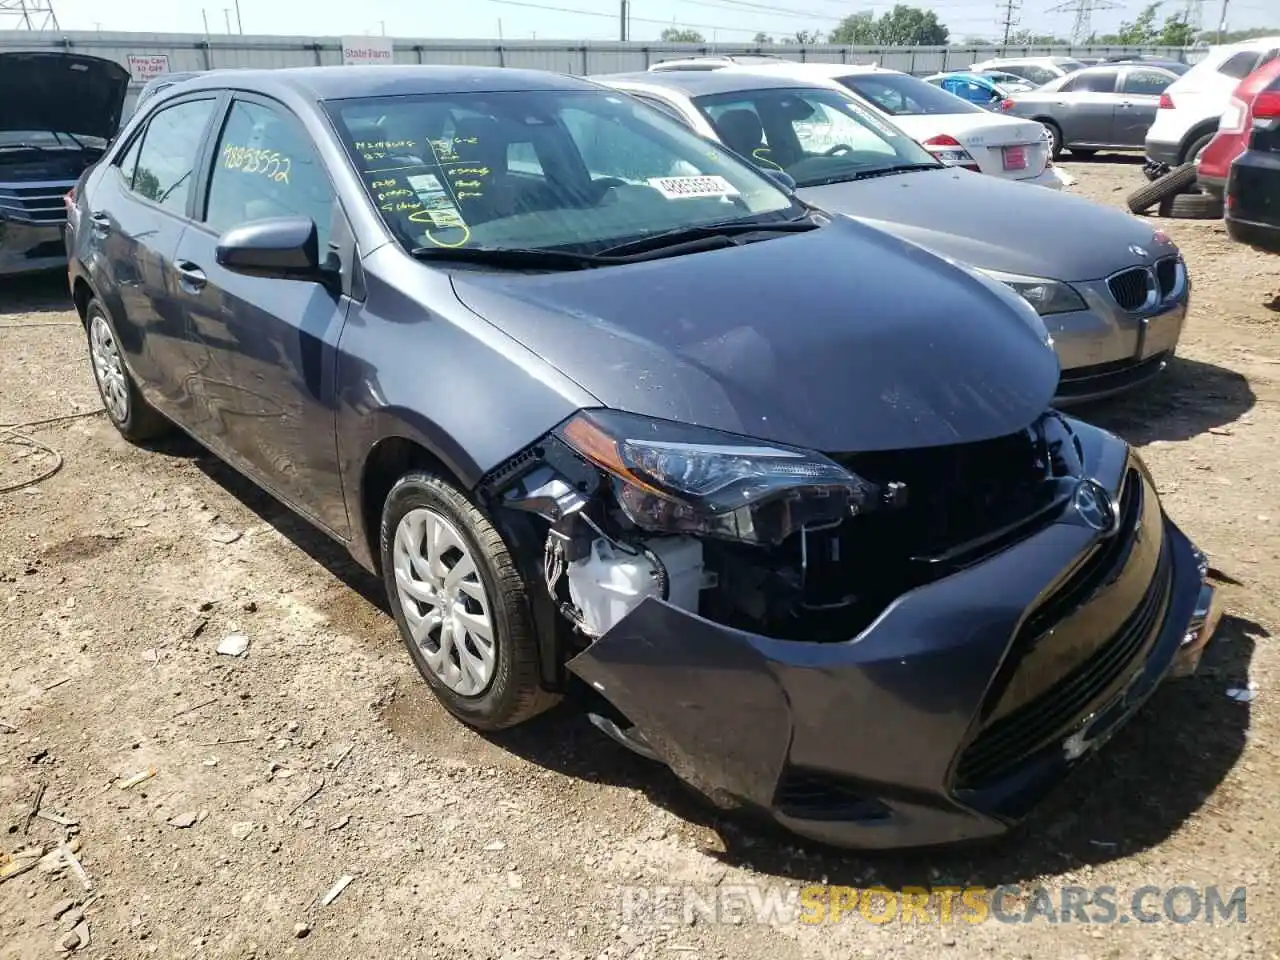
(677, 188)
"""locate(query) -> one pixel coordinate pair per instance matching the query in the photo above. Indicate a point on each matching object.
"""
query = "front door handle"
(192, 277)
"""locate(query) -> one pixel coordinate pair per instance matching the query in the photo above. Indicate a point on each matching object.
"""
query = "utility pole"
(1222, 20)
(624, 15)
(239, 22)
(1012, 8)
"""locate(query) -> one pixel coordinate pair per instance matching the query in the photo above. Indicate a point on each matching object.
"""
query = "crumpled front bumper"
(946, 719)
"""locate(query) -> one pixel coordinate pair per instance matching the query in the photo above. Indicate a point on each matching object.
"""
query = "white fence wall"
(199, 52)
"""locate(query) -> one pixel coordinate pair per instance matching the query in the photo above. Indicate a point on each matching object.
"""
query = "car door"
(1087, 114)
(267, 347)
(1137, 103)
(137, 214)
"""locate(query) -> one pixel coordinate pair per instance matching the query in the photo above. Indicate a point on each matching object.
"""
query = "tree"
(762, 39)
(1025, 38)
(855, 30)
(678, 35)
(805, 38)
(1139, 31)
(903, 26)
(1176, 32)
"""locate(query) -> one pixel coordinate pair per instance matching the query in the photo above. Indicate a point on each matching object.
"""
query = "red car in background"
(1214, 165)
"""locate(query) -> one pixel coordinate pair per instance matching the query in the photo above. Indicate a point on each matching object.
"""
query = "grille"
(1167, 276)
(1130, 288)
(1009, 740)
(41, 203)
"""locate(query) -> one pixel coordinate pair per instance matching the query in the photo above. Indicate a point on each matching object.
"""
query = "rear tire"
(135, 419)
(1197, 147)
(1192, 206)
(1173, 182)
(450, 580)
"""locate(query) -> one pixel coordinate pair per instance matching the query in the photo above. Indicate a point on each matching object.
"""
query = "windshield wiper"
(853, 175)
(513, 257)
(25, 146)
(708, 231)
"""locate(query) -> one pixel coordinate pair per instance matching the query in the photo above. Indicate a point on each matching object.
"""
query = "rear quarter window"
(1240, 65)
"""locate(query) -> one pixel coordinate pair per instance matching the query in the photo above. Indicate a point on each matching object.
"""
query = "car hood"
(991, 222)
(842, 339)
(63, 93)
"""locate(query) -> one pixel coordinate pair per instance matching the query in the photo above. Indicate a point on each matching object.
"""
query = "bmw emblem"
(1138, 251)
(1095, 506)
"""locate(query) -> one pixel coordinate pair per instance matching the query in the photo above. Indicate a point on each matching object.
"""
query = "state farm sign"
(364, 50)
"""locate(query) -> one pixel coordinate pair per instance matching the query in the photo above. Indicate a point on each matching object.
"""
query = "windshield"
(902, 96)
(49, 140)
(576, 171)
(816, 136)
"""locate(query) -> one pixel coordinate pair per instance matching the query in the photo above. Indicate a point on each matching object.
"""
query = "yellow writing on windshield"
(271, 164)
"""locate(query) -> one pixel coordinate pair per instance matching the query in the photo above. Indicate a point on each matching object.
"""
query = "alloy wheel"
(444, 601)
(108, 368)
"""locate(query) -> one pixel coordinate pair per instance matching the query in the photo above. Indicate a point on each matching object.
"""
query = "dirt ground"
(120, 575)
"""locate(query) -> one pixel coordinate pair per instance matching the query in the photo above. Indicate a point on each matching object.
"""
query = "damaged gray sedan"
(613, 412)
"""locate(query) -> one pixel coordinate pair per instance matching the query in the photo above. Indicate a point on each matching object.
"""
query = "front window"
(816, 136)
(902, 96)
(575, 171)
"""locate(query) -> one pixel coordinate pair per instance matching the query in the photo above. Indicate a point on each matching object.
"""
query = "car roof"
(337, 83)
(701, 83)
(964, 75)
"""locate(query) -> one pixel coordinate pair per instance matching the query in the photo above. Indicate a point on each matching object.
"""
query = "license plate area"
(1015, 158)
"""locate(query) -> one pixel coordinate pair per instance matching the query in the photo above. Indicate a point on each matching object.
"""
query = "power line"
(611, 16)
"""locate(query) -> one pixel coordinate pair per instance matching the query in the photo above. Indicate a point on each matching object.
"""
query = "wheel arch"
(396, 454)
(1195, 133)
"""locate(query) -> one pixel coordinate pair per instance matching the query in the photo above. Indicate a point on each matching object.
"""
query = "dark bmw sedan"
(779, 497)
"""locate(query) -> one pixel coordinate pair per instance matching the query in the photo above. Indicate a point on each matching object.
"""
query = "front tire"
(460, 604)
(1055, 139)
(129, 413)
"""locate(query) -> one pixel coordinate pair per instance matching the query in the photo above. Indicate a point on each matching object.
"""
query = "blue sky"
(722, 20)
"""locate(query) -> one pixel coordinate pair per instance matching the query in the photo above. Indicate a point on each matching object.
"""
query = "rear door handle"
(192, 277)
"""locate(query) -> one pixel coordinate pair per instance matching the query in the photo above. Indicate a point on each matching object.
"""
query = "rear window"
(901, 96)
(1240, 65)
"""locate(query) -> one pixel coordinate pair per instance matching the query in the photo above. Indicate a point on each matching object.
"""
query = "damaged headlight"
(1046, 296)
(674, 478)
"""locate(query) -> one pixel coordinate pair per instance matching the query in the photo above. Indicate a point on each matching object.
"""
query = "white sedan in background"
(956, 132)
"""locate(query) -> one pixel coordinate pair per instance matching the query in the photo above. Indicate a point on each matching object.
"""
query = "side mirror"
(782, 178)
(285, 248)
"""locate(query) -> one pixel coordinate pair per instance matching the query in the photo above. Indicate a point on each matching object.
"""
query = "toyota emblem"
(1095, 506)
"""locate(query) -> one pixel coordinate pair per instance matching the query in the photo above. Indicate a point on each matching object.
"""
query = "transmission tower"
(1082, 28)
(1011, 11)
(28, 15)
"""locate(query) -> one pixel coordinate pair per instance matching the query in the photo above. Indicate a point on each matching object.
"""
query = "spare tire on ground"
(1192, 206)
(1174, 182)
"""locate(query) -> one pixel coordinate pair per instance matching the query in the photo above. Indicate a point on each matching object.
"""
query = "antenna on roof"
(28, 15)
